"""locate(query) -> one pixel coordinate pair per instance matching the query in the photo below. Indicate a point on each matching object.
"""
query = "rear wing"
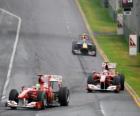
(110, 65)
(53, 78)
(86, 37)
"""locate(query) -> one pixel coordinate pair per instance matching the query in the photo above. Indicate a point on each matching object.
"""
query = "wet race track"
(44, 46)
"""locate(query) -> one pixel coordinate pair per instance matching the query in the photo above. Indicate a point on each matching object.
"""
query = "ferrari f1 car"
(107, 80)
(47, 92)
(84, 46)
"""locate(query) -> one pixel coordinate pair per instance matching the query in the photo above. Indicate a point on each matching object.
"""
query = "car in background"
(106, 80)
(84, 46)
(47, 92)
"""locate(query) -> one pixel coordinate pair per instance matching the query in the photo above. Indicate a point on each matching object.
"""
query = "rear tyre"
(95, 53)
(63, 96)
(13, 96)
(73, 47)
(122, 80)
(94, 49)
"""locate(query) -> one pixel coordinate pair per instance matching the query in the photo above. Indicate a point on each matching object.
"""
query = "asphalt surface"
(48, 28)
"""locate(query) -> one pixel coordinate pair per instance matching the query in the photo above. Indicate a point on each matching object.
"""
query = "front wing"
(98, 88)
(14, 104)
(78, 52)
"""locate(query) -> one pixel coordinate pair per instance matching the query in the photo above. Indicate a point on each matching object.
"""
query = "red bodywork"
(108, 77)
(30, 95)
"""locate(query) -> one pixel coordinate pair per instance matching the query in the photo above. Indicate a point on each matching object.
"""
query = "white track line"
(13, 52)
(5, 11)
(102, 110)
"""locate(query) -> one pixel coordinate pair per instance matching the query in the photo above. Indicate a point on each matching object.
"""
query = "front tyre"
(94, 49)
(116, 82)
(122, 80)
(13, 96)
(90, 79)
(89, 90)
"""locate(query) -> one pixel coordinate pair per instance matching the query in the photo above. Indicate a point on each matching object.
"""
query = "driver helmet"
(84, 35)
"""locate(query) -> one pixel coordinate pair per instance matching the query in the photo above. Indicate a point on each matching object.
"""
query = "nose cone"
(102, 79)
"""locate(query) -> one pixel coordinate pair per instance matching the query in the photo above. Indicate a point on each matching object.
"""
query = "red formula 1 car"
(47, 92)
(107, 80)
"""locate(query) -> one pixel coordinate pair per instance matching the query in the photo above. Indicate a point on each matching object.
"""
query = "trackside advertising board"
(133, 44)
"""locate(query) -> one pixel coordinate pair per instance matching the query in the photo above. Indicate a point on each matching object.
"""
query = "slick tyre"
(13, 96)
(95, 52)
(116, 81)
(73, 52)
(89, 81)
(63, 96)
(122, 80)
(73, 46)
(94, 49)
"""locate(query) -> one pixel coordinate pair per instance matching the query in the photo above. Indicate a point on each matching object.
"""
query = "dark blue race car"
(84, 46)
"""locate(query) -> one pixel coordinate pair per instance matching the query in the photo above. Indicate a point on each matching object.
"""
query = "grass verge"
(114, 46)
